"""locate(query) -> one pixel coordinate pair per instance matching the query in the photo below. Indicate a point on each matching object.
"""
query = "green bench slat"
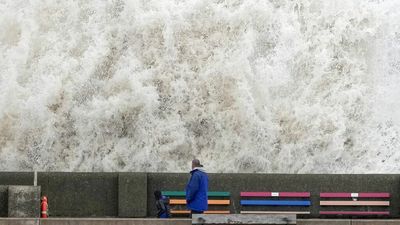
(210, 193)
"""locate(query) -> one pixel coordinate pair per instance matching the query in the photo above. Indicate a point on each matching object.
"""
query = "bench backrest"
(209, 194)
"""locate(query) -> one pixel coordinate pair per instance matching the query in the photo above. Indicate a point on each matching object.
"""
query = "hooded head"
(196, 163)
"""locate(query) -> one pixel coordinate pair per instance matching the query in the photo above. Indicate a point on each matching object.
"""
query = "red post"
(44, 207)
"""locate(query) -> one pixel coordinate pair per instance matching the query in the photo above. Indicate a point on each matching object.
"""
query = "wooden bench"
(177, 198)
(273, 199)
(351, 199)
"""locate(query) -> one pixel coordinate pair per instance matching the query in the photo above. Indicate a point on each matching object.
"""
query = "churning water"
(291, 86)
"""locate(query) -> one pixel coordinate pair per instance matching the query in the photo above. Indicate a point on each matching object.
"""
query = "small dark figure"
(162, 204)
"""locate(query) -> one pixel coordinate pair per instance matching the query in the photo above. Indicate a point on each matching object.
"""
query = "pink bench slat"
(275, 212)
(349, 195)
(354, 213)
(355, 203)
(269, 194)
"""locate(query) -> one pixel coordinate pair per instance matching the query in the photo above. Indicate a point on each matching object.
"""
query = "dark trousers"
(196, 212)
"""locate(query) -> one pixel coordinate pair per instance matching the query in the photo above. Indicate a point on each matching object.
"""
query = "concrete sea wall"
(131, 194)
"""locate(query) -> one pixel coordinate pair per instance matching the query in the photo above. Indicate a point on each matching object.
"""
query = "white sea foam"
(291, 86)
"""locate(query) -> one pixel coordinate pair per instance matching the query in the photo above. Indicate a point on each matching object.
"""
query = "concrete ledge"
(18, 221)
(243, 219)
(113, 221)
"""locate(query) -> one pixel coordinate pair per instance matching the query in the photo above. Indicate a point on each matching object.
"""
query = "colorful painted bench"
(352, 199)
(276, 199)
(216, 198)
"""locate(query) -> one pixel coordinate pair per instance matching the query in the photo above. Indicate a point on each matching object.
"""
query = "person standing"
(197, 188)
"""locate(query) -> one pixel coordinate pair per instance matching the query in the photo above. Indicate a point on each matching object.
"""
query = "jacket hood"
(198, 168)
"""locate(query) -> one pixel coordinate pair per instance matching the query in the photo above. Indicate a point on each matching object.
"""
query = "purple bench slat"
(354, 213)
(269, 194)
(349, 195)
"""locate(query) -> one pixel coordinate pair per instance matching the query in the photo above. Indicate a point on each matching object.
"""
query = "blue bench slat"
(275, 202)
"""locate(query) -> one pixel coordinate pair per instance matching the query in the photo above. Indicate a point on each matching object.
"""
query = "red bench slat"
(274, 212)
(354, 213)
(351, 195)
(273, 194)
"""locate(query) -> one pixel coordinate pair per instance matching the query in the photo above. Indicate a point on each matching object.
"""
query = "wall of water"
(289, 86)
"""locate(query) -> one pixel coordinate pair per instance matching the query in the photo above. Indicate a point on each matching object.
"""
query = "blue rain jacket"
(196, 190)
